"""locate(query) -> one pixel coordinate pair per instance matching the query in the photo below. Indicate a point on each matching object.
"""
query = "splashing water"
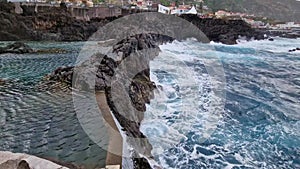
(259, 126)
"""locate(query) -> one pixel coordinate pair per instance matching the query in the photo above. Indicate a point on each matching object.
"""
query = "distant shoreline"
(59, 25)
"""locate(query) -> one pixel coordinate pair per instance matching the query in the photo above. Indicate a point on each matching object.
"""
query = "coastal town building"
(255, 24)
(288, 25)
(181, 9)
(233, 15)
(104, 12)
(14, 1)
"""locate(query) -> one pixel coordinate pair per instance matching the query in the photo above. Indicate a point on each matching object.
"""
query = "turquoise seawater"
(256, 127)
(42, 123)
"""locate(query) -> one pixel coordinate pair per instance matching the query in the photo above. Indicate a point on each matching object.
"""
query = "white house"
(192, 11)
(164, 9)
(18, 1)
(176, 11)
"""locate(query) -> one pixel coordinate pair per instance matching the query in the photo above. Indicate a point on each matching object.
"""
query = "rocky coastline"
(51, 25)
(17, 48)
(22, 48)
(59, 25)
(140, 90)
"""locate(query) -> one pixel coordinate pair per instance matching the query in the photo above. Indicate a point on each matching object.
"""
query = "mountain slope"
(283, 10)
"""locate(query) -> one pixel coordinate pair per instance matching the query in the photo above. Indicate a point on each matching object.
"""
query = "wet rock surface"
(224, 31)
(291, 34)
(17, 48)
(139, 88)
(294, 50)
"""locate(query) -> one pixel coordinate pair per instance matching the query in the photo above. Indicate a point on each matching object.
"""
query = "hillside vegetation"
(283, 10)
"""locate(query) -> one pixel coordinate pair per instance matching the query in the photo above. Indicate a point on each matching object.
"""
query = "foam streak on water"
(259, 127)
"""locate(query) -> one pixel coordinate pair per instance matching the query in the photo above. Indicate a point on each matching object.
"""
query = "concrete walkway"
(9, 160)
(115, 146)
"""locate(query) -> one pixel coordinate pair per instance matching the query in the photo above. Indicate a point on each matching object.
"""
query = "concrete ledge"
(9, 160)
(112, 167)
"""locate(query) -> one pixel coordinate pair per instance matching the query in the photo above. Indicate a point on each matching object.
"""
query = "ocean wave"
(258, 128)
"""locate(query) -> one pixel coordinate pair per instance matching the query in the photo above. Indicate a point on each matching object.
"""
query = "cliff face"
(224, 31)
(54, 25)
(58, 25)
(140, 87)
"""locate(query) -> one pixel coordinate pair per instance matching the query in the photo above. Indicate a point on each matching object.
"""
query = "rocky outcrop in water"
(22, 48)
(17, 48)
(140, 89)
(224, 31)
(291, 34)
(294, 50)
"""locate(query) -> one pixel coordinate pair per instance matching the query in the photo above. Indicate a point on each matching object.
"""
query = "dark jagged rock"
(57, 24)
(141, 163)
(54, 24)
(7, 7)
(62, 74)
(140, 89)
(224, 31)
(17, 47)
(51, 50)
(291, 34)
(294, 50)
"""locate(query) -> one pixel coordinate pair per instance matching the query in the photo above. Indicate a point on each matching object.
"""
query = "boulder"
(294, 50)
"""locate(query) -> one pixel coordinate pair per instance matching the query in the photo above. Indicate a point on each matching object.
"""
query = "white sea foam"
(178, 116)
(175, 111)
(279, 45)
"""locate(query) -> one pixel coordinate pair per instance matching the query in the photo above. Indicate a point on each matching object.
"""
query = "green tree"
(165, 2)
(98, 1)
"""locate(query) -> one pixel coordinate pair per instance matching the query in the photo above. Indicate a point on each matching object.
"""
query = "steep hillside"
(284, 10)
